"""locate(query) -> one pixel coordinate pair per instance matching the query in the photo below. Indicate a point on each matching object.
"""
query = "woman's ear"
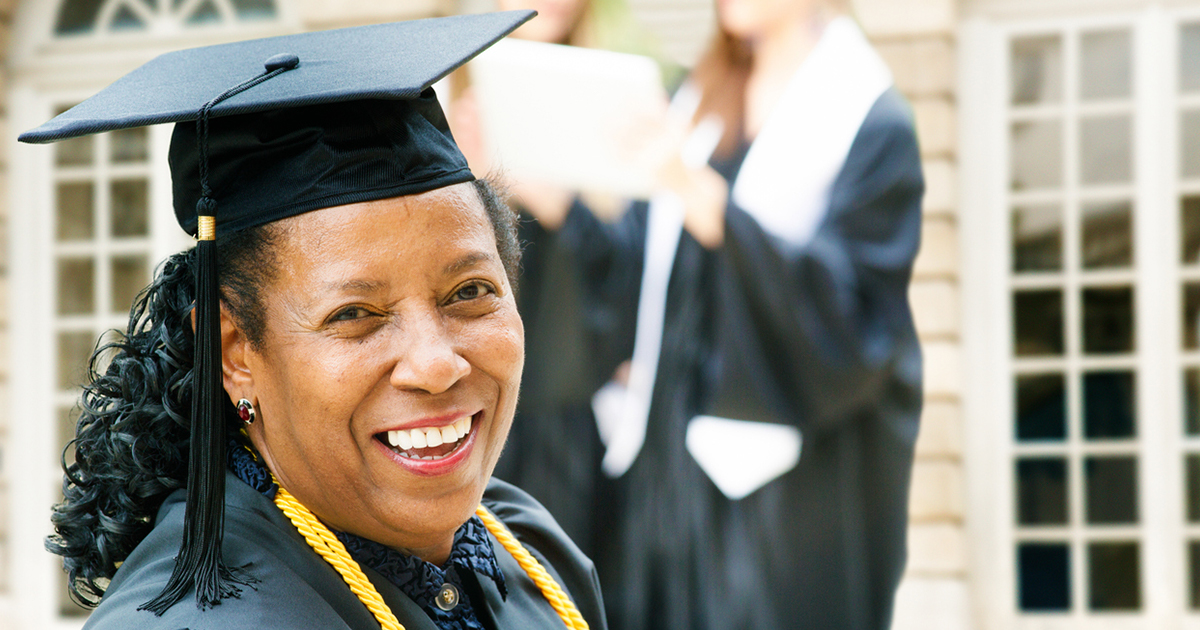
(235, 363)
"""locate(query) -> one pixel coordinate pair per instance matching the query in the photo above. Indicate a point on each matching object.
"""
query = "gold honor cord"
(331, 549)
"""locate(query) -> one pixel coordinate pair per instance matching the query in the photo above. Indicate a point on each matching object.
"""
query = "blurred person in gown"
(762, 445)
(553, 451)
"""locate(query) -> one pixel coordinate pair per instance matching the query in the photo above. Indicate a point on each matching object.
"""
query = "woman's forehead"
(434, 229)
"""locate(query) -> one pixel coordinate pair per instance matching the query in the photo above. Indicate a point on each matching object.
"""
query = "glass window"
(84, 17)
(1037, 160)
(1114, 576)
(1044, 577)
(1037, 238)
(1106, 150)
(1038, 322)
(1042, 491)
(1041, 407)
(1107, 231)
(1106, 65)
(1037, 70)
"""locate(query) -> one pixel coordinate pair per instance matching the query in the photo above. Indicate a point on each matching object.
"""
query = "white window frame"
(987, 285)
(46, 73)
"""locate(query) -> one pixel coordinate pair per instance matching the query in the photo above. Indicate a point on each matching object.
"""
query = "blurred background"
(1057, 293)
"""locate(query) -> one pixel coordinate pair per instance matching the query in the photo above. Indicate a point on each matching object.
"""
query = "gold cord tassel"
(550, 589)
(331, 549)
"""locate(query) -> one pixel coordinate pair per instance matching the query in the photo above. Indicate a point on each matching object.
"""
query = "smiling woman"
(313, 398)
(385, 317)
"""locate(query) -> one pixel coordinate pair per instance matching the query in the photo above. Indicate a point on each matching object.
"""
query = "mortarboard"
(268, 129)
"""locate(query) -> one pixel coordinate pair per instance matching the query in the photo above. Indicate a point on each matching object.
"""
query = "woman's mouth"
(428, 443)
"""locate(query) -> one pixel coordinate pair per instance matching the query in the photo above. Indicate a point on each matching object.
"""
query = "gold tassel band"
(206, 228)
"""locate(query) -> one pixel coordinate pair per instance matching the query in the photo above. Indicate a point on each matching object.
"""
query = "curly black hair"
(131, 441)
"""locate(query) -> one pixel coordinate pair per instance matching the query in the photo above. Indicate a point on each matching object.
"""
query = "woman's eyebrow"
(467, 261)
(354, 286)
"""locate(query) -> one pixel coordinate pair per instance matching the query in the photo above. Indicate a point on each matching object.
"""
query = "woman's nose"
(428, 358)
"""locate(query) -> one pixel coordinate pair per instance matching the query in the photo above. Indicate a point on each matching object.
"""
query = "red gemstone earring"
(245, 411)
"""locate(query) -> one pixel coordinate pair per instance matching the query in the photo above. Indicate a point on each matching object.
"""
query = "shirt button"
(447, 598)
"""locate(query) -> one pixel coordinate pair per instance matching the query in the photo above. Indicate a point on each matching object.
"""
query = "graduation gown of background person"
(298, 590)
(553, 450)
(819, 338)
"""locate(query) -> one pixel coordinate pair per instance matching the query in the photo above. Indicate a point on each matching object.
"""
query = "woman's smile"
(434, 449)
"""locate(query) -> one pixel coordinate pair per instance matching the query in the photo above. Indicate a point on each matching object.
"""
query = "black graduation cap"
(268, 129)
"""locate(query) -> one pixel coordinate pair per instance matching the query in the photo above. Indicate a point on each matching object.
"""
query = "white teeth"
(400, 439)
(405, 440)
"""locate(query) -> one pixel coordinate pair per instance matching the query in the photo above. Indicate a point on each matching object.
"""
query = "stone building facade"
(1053, 134)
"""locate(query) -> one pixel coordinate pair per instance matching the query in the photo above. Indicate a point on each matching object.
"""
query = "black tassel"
(199, 564)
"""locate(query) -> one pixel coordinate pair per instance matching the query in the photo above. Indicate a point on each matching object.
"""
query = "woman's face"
(389, 323)
(554, 22)
(751, 19)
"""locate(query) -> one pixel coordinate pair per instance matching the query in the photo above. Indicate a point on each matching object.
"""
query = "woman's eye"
(350, 314)
(471, 291)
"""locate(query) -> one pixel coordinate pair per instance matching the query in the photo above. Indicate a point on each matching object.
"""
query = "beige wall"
(917, 39)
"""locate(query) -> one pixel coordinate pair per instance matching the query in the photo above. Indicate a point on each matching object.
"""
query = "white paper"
(562, 115)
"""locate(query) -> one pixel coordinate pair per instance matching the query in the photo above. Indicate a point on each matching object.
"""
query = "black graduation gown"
(553, 451)
(821, 339)
(298, 590)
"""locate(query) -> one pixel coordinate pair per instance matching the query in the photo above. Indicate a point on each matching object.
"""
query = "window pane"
(128, 145)
(130, 274)
(1041, 407)
(1189, 57)
(1191, 401)
(1114, 576)
(77, 16)
(1037, 70)
(76, 212)
(205, 13)
(1105, 150)
(1190, 229)
(1189, 138)
(1106, 70)
(1191, 315)
(1108, 320)
(1037, 155)
(74, 352)
(74, 152)
(254, 9)
(1194, 563)
(76, 286)
(1107, 234)
(130, 216)
(1192, 486)
(1038, 322)
(126, 20)
(1109, 405)
(1111, 490)
(1037, 238)
(1044, 576)
(1042, 491)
